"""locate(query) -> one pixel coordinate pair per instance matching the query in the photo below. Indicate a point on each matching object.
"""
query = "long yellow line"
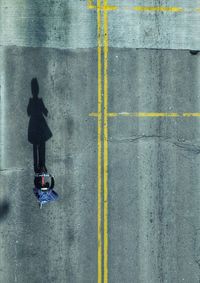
(148, 114)
(142, 8)
(99, 221)
(105, 144)
(158, 9)
(152, 114)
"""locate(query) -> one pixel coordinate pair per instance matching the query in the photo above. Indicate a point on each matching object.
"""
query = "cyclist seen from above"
(44, 184)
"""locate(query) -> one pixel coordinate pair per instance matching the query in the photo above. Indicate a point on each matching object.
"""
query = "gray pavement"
(57, 243)
(69, 24)
(153, 169)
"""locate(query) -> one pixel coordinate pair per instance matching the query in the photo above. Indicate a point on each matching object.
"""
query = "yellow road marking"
(158, 8)
(103, 8)
(144, 114)
(99, 115)
(90, 5)
(191, 114)
(93, 114)
(148, 114)
(105, 144)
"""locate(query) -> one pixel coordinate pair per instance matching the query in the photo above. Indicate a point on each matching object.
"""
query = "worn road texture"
(153, 162)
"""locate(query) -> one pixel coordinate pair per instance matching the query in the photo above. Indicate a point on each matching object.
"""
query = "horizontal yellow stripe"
(93, 114)
(191, 114)
(144, 114)
(104, 8)
(90, 5)
(159, 9)
(139, 8)
(113, 114)
(148, 114)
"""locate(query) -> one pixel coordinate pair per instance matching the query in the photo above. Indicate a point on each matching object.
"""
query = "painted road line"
(93, 114)
(148, 114)
(143, 8)
(191, 114)
(157, 9)
(103, 8)
(105, 144)
(144, 114)
(99, 115)
(153, 114)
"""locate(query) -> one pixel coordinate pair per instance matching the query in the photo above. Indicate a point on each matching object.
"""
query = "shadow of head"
(34, 87)
(4, 209)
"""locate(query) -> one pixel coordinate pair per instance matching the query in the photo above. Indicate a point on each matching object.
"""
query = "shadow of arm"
(29, 108)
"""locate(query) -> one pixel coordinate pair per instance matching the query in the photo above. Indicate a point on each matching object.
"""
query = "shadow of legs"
(35, 157)
(41, 149)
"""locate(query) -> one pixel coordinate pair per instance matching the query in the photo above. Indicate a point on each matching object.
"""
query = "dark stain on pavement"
(70, 126)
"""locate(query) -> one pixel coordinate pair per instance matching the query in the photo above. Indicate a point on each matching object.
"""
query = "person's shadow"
(38, 130)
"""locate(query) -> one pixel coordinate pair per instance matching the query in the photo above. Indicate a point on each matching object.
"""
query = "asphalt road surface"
(122, 92)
